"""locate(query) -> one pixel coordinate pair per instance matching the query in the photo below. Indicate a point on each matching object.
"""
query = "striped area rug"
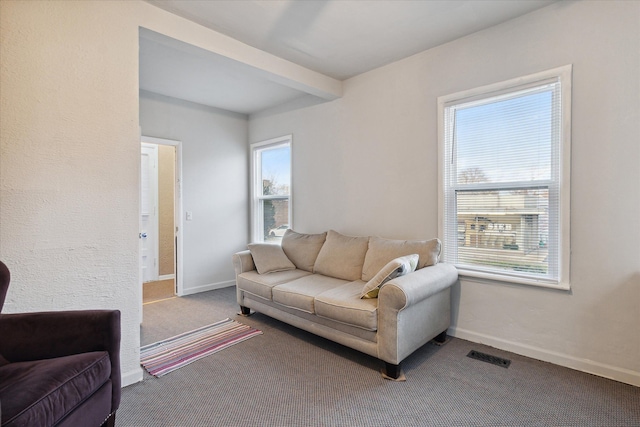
(166, 356)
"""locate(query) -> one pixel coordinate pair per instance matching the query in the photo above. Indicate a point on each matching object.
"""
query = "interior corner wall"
(214, 184)
(367, 164)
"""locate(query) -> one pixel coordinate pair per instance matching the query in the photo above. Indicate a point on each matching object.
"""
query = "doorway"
(160, 219)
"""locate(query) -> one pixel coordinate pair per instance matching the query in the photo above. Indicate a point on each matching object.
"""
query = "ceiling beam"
(272, 67)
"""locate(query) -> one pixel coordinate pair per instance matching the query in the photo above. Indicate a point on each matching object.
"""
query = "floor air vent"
(494, 360)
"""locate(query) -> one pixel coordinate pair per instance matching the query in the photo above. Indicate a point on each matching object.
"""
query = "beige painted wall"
(166, 209)
(368, 164)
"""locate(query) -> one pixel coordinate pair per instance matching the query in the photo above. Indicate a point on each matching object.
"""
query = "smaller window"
(271, 189)
(504, 179)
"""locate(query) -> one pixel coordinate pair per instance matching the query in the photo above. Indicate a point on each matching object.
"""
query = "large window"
(271, 189)
(504, 179)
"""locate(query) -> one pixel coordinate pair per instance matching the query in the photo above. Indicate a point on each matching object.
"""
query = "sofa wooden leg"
(441, 337)
(245, 311)
(110, 421)
(391, 370)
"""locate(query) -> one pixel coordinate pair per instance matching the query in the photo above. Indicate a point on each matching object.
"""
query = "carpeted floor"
(287, 377)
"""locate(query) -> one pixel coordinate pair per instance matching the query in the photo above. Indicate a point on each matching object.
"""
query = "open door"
(155, 235)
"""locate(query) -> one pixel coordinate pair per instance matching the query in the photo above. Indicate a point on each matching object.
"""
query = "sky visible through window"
(276, 165)
(506, 140)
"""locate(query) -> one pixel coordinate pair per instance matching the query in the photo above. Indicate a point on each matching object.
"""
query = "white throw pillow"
(394, 268)
(269, 258)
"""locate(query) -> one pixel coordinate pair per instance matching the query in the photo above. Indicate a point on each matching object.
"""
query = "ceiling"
(339, 39)
(179, 70)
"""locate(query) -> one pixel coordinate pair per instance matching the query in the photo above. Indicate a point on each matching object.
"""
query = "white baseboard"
(132, 377)
(166, 277)
(209, 287)
(615, 373)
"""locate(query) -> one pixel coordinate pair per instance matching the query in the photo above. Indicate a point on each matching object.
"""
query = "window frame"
(257, 216)
(563, 169)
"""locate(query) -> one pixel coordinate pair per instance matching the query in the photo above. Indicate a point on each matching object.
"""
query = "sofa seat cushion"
(343, 304)
(301, 293)
(42, 392)
(262, 284)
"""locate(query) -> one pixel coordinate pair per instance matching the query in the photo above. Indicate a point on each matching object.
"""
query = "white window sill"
(486, 277)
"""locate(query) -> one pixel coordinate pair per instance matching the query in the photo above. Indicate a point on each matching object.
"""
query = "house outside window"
(271, 189)
(504, 179)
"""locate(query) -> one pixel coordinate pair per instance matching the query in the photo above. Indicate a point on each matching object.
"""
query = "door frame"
(178, 217)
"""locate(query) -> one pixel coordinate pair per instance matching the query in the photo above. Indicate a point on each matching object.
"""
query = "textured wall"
(69, 165)
(367, 164)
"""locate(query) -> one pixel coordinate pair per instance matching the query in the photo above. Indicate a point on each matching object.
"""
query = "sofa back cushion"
(342, 256)
(302, 249)
(381, 251)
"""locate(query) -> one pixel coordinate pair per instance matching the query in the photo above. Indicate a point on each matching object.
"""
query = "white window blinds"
(503, 181)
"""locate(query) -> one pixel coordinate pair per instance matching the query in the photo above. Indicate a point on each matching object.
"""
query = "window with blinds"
(504, 179)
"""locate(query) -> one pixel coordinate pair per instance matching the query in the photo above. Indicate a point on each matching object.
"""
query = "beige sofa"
(361, 292)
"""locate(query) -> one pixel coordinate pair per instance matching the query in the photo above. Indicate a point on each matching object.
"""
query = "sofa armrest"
(413, 309)
(243, 262)
(45, 335)
(412, 288)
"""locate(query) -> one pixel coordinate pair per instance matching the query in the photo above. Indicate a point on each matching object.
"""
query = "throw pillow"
(302, 249)
(3, 361)
(342, 256)
(381, 251)
(394, 268)
(269, 258)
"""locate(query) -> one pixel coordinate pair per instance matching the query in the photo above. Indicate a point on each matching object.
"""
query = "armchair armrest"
(243, 262)
(45, 335)
(412, 288)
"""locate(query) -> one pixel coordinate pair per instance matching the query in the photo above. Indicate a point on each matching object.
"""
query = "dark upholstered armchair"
(58, 368)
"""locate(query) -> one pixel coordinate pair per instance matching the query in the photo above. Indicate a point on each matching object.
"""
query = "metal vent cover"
(494, 360)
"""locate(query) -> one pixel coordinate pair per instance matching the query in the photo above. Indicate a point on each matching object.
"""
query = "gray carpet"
(287, 377)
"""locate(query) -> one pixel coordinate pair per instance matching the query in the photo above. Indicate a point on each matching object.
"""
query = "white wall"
(367, 164)
(215, 184)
